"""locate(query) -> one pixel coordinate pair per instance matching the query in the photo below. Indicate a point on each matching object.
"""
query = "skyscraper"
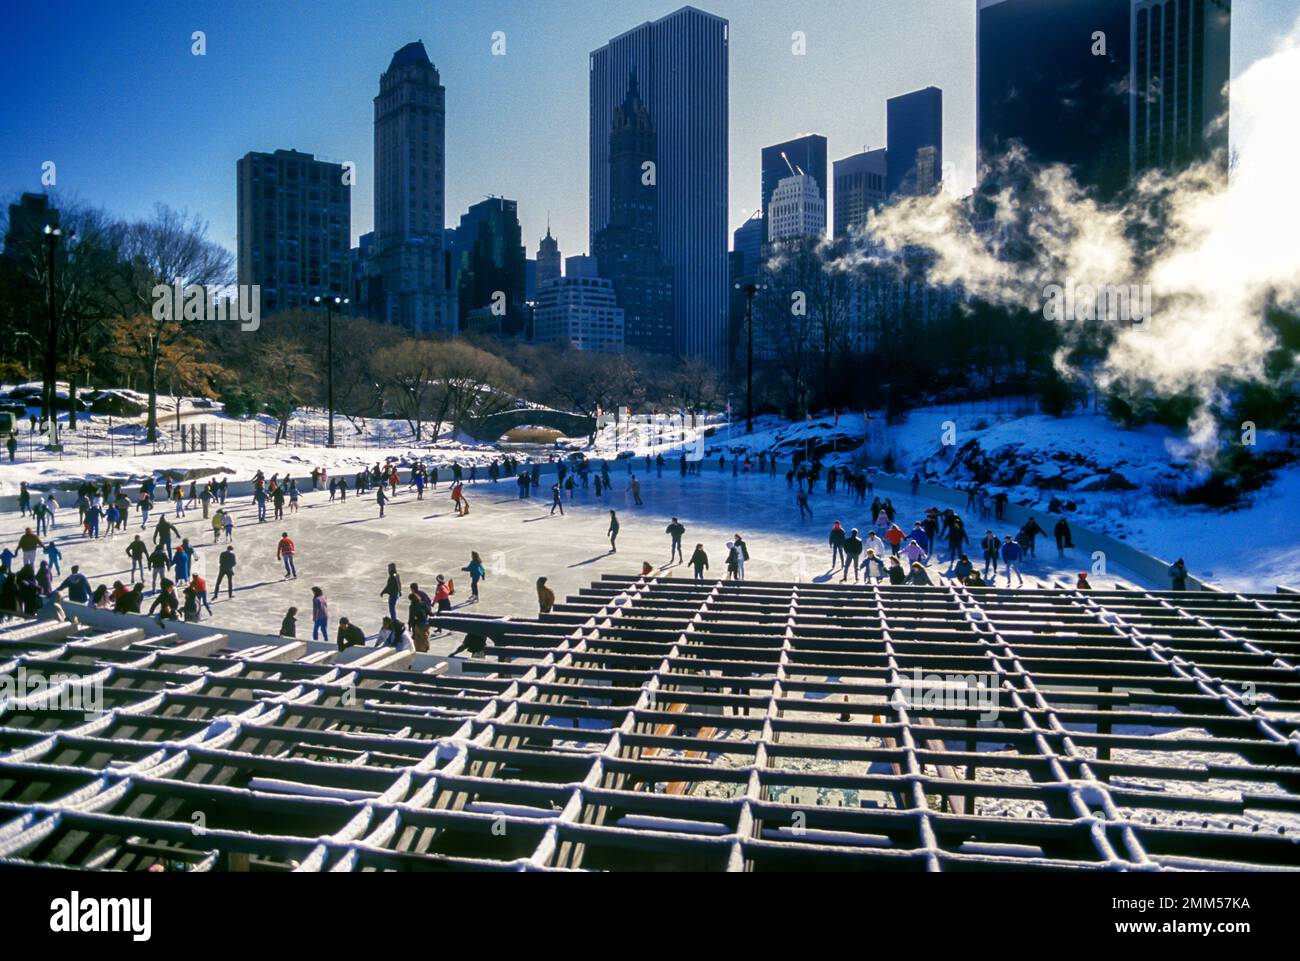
(1181, 57)
(681, 64)
(802, 155)
(915, 145)
(627, 249)
(548, 259)
(414, 288)
(796, 210)
(581, 309)
(1053, 75)
(859, 188)
(294, 228)
(489, 263)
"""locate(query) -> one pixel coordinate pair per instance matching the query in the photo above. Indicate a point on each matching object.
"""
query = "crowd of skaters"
(177, 592)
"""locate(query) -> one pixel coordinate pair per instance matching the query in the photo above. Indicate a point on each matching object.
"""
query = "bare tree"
(170, 248)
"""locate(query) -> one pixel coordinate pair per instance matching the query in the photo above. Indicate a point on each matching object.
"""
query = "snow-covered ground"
(345, 547)
(1115, 478)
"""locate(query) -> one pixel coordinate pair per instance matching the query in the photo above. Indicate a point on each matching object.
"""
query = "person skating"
(381, 498)
(675, 531)
(733, 562)
(158, 561)
(802, 500)
(545, 597)
(896, 573)
(476, 573)
(836, 541)
(918, 577)
(957, 538)
(1031, 530)
(742, 555)
(320, 615)
(392, 589)
(284, 552)
(1063, 539)
(1178, 575)
(52, 556)
(991, 549)
(181, 565)
(634, 487)
(200, 587)
(417, 618)
(962, 569)
(852, 551)
(349, 635)
(1082, 583)
(76, 586)
(289, 626)
(1011, 555)
(167, 604)
(557, 502)
(28, 544)
(873, 568)
(699, 562)
(612, 532)
(226, 571)
(442, 594)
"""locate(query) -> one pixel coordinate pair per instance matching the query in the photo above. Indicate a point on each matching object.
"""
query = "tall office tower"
(1044, 79)
(859, 188)
(489, 263)
(582, 309)
(747, 241)
(548, 259)
(1181, 57)
(627, 249)
(915, 125)
(294, 228)
(802, 155)
(27, 222)
(796, 210)
(681, 65)
(410, 191)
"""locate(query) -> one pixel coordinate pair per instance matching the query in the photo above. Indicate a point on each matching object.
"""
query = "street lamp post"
(52, 236)
(330, 304)
(749, 290)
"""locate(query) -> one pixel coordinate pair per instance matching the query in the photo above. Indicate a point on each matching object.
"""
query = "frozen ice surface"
(344, 547)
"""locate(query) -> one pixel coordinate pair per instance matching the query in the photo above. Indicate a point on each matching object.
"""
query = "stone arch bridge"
(570, 425)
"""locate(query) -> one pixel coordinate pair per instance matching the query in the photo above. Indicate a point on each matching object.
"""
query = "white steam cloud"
(1221, 253)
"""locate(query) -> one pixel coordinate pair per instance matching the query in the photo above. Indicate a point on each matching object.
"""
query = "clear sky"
(111, 93)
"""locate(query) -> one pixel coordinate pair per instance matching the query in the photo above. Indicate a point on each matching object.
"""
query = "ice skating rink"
(344, 547)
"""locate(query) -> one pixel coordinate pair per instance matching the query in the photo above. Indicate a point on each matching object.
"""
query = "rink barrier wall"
(107, 620)
(1145, 565)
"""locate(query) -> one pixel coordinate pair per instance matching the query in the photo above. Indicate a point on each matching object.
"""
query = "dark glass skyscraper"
(627, 249)
(915, 124)
(801, 155)
(490, 263)
(1181, 63)
(1041, 83)
(859, 188)
(681, 65)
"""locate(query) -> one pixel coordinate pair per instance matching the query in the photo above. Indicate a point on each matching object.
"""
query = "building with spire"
(681, 64)
(548, 258)
(411, 277)
(627, 249)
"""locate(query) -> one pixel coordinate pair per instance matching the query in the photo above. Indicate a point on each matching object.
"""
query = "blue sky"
(112, 94)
